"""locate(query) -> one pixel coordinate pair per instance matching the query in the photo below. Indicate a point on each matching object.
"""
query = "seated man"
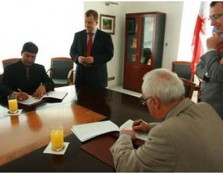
(187, 139)
(26, 77)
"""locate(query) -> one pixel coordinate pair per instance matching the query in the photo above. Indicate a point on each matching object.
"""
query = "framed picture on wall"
(107, 23)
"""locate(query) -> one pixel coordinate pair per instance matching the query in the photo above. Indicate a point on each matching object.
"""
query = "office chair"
(61, 71)
(183, 70)
(9, 61)
(189, 87)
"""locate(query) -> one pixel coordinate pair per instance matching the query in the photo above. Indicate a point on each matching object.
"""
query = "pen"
(19, 90)
(138, 123)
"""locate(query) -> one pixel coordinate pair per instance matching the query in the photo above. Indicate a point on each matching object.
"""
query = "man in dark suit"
(91, 67)
(26, 77)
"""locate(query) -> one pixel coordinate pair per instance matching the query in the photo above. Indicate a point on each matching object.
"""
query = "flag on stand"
(198, 43)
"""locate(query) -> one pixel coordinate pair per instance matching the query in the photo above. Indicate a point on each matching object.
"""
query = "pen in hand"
(22, 95)
(140, 125)
(19, 90)
(136, 123)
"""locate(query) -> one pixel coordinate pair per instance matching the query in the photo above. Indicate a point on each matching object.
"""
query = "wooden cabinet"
(144, 40)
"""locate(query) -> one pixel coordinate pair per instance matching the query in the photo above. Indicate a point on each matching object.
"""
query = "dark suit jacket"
(15, 78)
(95, 75)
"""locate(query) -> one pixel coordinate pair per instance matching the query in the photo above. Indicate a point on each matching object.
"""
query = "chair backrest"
(60, 67)
(9, 61)
(189, 87)
(183, 69)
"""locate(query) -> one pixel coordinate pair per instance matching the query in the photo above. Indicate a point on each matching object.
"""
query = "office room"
(51, 25)
(45, 30)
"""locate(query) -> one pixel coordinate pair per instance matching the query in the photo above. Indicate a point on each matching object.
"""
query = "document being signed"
(87, 131)
(57, 95)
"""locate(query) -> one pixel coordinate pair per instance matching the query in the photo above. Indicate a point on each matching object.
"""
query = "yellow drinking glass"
(57, 138)
(12, 105)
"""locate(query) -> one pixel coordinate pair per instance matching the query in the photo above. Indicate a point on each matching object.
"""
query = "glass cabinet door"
(132, 25)
(146, 40)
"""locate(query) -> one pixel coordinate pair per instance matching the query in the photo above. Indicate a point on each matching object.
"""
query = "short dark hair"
(213, 3)
(93, 13)
(30, 47)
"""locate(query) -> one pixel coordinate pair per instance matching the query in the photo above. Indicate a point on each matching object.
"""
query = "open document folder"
(87, 131)
(55, 95)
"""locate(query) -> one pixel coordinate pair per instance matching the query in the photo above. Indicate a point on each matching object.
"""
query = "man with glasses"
(210, 67)
(187, 139)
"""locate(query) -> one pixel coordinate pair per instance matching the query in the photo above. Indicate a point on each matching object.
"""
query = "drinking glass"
(57, 138)
(12, 104)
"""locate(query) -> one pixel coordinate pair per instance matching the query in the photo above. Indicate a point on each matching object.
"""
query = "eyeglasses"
(215, 17)
(144, 101)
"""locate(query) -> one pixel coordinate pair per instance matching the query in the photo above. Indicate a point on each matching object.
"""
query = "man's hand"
(81, 59)
(40, 91)
(86, 61)
(213, 41)
(89, 60)
(221, 61)
(140, 126)
(21, 96)
(131, 133)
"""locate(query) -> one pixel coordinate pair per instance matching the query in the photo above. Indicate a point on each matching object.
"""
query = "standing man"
(210, 67)
(91, 50)
(187, 139)
(26, 77)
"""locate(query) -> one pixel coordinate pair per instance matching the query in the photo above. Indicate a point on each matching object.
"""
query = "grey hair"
(163, 84)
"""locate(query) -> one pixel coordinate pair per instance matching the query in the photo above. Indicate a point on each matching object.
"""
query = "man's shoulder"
(80, 32)
(102, 32)
(13, 66)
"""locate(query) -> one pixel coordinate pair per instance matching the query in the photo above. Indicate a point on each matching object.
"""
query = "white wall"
(50, 24)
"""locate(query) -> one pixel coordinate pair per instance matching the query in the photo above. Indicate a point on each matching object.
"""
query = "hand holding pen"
(21, 96)
(140, 126)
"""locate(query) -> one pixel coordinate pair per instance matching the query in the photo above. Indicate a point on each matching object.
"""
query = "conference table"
(24, 137)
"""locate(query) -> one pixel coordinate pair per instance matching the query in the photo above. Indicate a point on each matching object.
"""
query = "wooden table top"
(24, 137)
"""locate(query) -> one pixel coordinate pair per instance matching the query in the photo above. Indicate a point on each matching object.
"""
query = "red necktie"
(89, 44)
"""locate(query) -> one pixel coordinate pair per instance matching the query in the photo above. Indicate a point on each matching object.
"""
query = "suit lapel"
(84, 42)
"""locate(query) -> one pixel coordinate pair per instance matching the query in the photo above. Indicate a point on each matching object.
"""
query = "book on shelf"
(52, 95)
(88, 131)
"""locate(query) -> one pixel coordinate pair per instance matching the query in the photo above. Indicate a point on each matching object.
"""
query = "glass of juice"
(12, 104)
(57, 138)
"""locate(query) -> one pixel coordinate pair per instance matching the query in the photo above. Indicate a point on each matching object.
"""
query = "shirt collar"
(94, 30)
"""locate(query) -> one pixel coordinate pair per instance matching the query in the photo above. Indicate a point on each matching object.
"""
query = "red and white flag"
(198, 43)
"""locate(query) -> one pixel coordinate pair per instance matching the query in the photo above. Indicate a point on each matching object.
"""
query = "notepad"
(56, 95)
(87, 131)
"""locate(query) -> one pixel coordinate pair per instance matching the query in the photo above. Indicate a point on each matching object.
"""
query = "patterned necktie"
(27, 73)
(89, 44)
